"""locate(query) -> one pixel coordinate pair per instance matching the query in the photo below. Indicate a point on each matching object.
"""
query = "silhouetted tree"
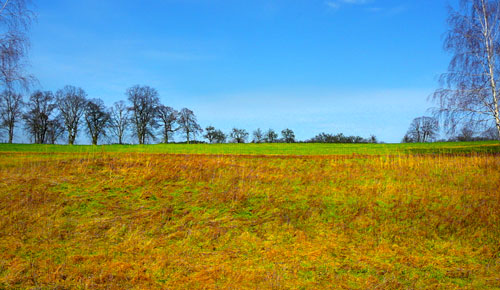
(219, 136)
(337, 138)
(258, 136)
(466, 134)
(239, 135)
(168, 117)
(188, 124)
(71, 102)
(422, 129)
(210, 134)
(40, 108)
(470, 90)
(119, 120)
(55, 130)
(288, 136)
(270, 136)
(144, 102)
(97, 119)
(10, 111)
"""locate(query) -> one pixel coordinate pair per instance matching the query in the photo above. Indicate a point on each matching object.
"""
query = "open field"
(270, 149)
(98, 219)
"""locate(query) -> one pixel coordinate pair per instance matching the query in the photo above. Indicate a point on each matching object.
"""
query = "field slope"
(115, 218)
(269, 149)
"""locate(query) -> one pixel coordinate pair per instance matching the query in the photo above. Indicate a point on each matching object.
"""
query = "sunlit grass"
(268, 149)
(118, 220)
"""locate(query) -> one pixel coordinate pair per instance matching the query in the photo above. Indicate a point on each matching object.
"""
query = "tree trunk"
(11, 133)
(498, 125)
(165, 135)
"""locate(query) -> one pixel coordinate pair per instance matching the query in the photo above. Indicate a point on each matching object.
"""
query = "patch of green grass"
(268, 149)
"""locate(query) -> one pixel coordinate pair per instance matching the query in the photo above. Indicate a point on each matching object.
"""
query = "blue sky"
(359, 67)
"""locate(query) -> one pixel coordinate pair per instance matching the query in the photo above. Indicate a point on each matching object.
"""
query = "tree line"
(46, 117)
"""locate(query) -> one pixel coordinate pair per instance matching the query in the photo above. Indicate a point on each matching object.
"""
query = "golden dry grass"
(153, 221)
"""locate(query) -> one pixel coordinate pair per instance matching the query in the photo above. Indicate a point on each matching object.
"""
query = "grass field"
(269, 149)
(268, 217)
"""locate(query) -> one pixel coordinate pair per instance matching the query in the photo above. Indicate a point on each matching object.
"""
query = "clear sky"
(359, 67)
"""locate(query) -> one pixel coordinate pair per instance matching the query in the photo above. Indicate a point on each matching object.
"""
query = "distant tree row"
(340, 138)
(241, 136)
(426, 129)
(48, 116)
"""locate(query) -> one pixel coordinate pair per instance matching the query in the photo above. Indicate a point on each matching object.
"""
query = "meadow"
(268, 148)
(251, 216)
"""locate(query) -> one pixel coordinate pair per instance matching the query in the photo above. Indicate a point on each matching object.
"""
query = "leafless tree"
(288, 136)
(239, 135)
(490, 133)
(219, 136)
(188, 124)
(258, 136)
(210, 134)
(55, 130)
(16, 18)
(466, 134)
(10, 111)
(422, 129)
(144, 102)
(39, 114)
(96, 119)
(470, 90)
(214, 136)
(71, 102)
(120, 120)
(271, 136)
(167, 117)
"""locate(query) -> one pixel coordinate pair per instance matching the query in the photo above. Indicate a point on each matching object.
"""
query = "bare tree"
(422, 129)
(38, 115)
(258, 136)
(144, 102)
(96, 119)
(214, 135)
(119, 120)
(466, 134)
(71, 102)
(288, 136)
(239, 135)
(55, 130)
(188, 124)
(219, 136)
(10, 111)
(15, 22)
(210, 134)
(168, 118)
(470, 90)
(271, 136)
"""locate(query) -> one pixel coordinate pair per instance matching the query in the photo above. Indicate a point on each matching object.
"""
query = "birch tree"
(16, 18)
(470, 92)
